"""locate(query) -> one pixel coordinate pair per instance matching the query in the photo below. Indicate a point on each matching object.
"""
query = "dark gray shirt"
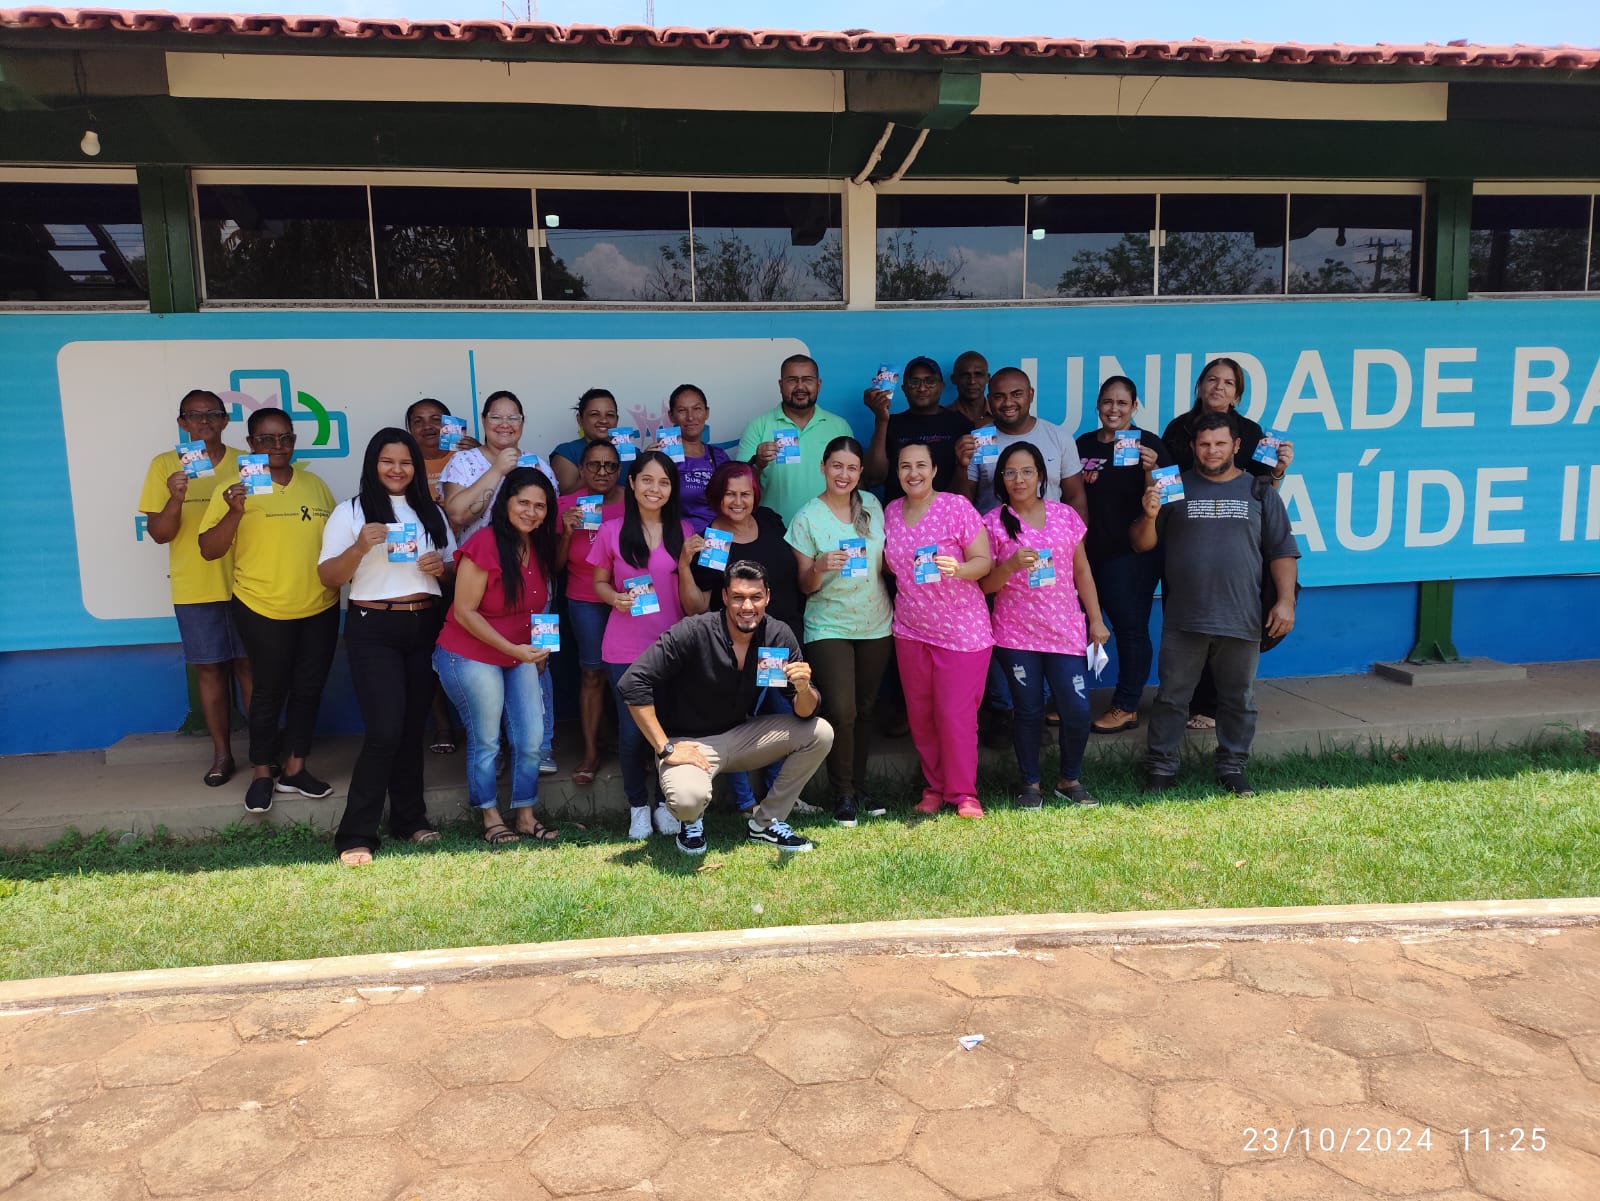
(694, 681)
(1216, 540)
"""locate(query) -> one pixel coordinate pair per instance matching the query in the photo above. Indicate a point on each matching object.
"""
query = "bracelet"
(1278, 475)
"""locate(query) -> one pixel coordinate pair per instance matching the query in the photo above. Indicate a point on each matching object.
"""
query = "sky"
(1495, 22)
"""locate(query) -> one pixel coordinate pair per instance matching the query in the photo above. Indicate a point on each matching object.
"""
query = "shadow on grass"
(1114, 774)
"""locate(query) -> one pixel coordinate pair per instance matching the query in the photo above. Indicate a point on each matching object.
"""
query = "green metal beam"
(168, 238)
(1435, 606)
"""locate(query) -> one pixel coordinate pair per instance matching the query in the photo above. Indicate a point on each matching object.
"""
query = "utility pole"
(650, 13)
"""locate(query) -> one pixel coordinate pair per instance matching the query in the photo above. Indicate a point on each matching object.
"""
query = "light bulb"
(1038, 235)
(552, 220)
(90, 144)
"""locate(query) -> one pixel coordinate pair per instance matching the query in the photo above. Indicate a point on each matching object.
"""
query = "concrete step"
(1462, 671)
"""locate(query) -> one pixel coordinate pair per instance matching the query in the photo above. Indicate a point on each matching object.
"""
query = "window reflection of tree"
(454, 262)
(1211, 263)
(287, 260)
(1527, 260)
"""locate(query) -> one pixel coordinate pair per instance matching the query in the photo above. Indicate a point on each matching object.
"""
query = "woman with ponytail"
(1042, 587)
(390, 627)
(848, 618)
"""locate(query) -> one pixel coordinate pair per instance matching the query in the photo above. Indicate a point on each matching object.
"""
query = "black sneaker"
(692, 838)
(1235, 783)
(305, 784)
(258, 797)
(1029, 798)
(844, 812)
(867, 807)
(1156, 782)
(779, 834)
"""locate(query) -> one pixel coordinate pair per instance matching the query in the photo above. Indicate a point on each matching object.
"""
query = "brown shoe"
(1114, 720)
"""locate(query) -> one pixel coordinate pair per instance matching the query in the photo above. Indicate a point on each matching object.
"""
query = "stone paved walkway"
(1238, 1071)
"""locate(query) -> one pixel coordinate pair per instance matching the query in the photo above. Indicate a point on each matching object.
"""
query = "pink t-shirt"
(580, 572)
(1048, 619)
(627, 637)
(951, 613)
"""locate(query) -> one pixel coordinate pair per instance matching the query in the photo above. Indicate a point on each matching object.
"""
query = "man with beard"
(1011, 402)
(700, 680)
(785, 487)
(1217, 539)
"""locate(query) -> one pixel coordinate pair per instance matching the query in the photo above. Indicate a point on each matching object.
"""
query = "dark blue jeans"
(1127, 587)
(1026, 672)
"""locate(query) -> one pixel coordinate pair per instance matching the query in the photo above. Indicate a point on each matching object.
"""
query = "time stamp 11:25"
(1271, 1140)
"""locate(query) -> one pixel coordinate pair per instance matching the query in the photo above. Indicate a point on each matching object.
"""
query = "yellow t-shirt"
(277, 545)
(195, 581)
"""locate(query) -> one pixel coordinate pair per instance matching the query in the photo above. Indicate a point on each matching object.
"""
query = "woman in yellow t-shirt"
(286, 617)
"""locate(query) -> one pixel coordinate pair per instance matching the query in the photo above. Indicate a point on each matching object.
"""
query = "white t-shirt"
(376, 578)
(1061, 461)
(464, 468)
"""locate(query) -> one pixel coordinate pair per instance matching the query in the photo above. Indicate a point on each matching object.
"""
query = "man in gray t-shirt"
(1217, 539)
(1011, 402)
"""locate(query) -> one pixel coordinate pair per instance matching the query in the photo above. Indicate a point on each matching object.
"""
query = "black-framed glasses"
(274, 439)
(602, 468)
(207, 415)
(925, 381)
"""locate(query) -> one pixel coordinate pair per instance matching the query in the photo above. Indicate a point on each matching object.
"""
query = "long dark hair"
(374, 497)
(508, 539)
(635, 550)
(860, 519)
(1009, 519)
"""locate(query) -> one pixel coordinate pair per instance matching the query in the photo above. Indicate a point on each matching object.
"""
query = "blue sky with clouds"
(1544, 22)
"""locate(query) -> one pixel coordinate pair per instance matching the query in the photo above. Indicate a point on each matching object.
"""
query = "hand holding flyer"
(254, 475)
(1126, 453)
(855, 567)
(988, 440)
(788, 440)
(401, 541)
(923, 569)
(1169, 483)
(532, 460)
(715, 553)
(196, 462)
(590, 508)
(451, 431)
(669, 441)
(547, 632)
(641, 591)
(1043, 573)
(884, 380)
(769, 667)
(626, 439)
(1267, 449)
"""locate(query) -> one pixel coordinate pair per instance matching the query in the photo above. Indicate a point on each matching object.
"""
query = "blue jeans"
(547, 697)
(1027, 671)
(481, 692)
(587, 621)
(1127, 587)
(633, 752)
(770, 702)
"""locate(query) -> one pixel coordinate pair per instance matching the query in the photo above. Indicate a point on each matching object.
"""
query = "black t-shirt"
(788, 603)
(940, 430)
(1179, 438)
(1116, 494)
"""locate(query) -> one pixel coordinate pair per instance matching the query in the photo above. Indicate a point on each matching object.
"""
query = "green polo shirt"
(785, 487)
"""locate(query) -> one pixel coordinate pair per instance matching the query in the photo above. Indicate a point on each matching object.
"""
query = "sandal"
(445, 746)
(584, 776)
(1201, 722)
(968, 806)
(356, 857)
(221, 772)
(540, 832)
(1076, 793)
(499, 835)
(424, 836)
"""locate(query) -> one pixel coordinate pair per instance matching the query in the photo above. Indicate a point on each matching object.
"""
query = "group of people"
(742, 610)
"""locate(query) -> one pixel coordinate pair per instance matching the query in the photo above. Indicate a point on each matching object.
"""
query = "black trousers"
(390, 653)
(289, 661)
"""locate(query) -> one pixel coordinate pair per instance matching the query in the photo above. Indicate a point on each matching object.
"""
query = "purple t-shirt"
(693, 476)
(627, 637)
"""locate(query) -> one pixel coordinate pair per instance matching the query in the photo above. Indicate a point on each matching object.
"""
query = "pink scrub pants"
(943, 689)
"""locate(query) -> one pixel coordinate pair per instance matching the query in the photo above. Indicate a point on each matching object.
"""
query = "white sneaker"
(666, 823)
(639, 823)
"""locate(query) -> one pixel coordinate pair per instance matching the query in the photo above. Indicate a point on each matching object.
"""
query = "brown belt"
(402, 606)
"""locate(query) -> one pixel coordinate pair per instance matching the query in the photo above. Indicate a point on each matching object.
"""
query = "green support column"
(1447, 242)
(168, 238)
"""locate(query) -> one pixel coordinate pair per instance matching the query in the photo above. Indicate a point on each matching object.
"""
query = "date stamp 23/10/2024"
(1362, 1140)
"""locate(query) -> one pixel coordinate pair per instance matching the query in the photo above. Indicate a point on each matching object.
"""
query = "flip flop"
(584, 775)
(424, 836)
(541, 832)
(355, 857)
(499, 835)
(1200, 722)
(444, 747)
(215, 778)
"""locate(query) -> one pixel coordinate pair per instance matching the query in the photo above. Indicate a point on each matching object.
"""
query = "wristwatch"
(666, 750)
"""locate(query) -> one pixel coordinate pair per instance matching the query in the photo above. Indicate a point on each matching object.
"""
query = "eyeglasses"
(505, 418)
(273, 439)
(925, 381)
(1019, 473)
(208, 415)
(602, 468)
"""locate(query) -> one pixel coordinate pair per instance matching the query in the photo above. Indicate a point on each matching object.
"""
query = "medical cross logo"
(249, 390)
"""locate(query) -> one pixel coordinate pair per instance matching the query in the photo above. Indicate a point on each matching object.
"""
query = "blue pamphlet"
(547, 631)
(451, 431)
(1043, 573)
(641, 590)
(532, 460)
(788, 440)
(988, 440)
(923, 569)
(626, 439)
(1267, 449)
(715, 553)
(855, 567)
(195, 461)
(769, 667)
(885, 380)
(254, 475)
(669, 441)
(1126, 453)
(590, 507)
(1169, 482)
(401, 541)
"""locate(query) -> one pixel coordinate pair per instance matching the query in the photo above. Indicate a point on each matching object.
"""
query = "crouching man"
(696, 698)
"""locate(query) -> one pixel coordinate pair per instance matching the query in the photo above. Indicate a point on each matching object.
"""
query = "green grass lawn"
(1423, 824)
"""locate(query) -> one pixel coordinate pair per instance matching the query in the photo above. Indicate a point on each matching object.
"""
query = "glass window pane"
(615, 245)
(1353, 243)
(277, 242)
(67, 241)
(1221, 245)
(1091, 246)
(1528, 243)
(453, 243)
(1594, 250)
(767, 247)
(950, 247)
